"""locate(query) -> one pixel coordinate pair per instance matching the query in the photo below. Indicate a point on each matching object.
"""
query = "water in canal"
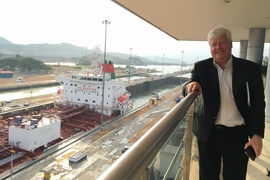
(138, 100)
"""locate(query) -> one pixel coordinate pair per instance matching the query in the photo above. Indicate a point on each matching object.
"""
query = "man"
(230, 112)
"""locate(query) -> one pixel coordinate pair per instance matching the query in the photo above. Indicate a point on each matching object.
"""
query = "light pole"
(86, 53)
(155, 63)
(179, 64)
(129, 69)
(11, 163)
(135, 60)
(104, 70)
(163, 64)
(85, 56)
(31, 91)
(181, 68)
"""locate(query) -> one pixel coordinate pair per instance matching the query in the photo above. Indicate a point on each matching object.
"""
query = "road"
(18, 104)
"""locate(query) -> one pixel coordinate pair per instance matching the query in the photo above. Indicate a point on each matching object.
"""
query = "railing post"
(195, 152)
(188, 143)
(145, 175)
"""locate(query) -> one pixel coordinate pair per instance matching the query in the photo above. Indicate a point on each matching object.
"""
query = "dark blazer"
(244, 72)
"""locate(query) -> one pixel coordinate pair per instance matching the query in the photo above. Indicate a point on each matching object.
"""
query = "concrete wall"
(17, 86)
(151, 85)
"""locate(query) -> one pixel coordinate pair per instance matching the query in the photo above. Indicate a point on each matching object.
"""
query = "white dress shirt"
(228, 114)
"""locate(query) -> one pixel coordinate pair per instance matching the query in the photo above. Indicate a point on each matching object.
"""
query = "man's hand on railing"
(194, 86)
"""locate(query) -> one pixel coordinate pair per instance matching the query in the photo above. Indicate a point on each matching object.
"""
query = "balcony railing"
(164, 152)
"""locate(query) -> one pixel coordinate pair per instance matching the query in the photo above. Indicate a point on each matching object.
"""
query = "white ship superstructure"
(86, 86)
(35, 133)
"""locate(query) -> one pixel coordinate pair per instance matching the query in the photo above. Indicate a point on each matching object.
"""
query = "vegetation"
(1, 55)
(98, 54)
(86, 60)
(83, 62)
(66, 52)
(24, 64)
(44, 50)
(9, 63)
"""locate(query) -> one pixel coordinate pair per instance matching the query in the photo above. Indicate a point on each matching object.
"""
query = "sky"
(80, 23)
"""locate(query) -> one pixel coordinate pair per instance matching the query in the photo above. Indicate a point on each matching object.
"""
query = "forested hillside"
(66, 52)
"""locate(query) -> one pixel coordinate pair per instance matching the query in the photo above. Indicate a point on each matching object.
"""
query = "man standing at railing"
(230, 114)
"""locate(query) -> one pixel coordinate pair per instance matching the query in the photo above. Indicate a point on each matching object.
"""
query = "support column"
(243, 49)
(256, 44)
(267, 92)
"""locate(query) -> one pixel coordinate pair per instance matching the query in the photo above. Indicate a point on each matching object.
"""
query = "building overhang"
(192, 20)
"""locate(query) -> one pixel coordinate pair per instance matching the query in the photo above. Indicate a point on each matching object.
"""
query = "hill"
(49, 50)
(66, 52)
(4, 41)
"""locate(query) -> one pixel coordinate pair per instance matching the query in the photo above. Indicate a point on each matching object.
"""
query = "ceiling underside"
(191, 20)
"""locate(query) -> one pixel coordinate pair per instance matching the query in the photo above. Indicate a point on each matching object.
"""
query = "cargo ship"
(27, 135)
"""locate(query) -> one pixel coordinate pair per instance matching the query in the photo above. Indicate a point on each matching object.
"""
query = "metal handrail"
(134, 161)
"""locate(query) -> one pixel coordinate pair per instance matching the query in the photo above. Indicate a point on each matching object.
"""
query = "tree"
(83, 62)
(10, 63)
(29, 64)
(45, 67)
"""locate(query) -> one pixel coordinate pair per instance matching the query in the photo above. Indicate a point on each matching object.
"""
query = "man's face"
(220, 48)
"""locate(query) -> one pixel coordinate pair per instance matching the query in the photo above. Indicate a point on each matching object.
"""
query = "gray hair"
(219, 31)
